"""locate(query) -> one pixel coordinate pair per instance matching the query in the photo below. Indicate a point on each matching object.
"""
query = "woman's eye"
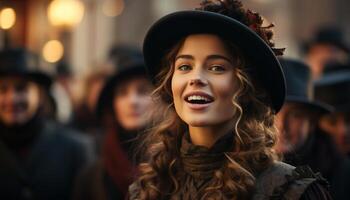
(217, 68)
(184, 67)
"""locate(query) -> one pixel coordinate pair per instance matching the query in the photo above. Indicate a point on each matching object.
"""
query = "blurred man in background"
(39, 159)
(327, 46)
(301, 141)
(334, 89)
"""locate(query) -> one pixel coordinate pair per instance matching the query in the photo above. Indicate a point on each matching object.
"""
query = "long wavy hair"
(255, 136)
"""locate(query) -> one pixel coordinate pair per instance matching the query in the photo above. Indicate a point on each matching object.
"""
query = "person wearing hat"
(85, 118)
(301, 141)
(39, 158)
(297, 117)
(327, 46)
(123, 107)
(333, 88)
(216, 69)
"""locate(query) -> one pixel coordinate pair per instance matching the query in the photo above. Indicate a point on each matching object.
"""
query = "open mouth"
(199, 99)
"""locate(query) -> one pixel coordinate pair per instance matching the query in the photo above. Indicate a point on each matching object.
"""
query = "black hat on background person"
(331, 67)
(131, 68)
(299, 85)
(23, 63)
(122, 54)
(327, 35)
(333, 87)
(265, 66)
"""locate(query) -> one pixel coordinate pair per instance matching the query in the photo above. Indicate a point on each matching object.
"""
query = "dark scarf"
(117, 152)
(19, 137)
(200, 163)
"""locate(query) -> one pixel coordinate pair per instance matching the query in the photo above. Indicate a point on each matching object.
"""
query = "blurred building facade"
(105, 23)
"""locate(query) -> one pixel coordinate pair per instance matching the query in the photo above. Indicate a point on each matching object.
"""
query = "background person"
(123, 107)
(301, 141)
(39, 158)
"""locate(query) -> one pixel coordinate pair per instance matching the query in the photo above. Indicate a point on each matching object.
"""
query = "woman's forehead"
(203, 44)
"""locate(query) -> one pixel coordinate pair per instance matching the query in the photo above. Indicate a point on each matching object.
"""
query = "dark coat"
(321, 154)
(109, 177)
(48, 170)
(277, 181)
(93, 183)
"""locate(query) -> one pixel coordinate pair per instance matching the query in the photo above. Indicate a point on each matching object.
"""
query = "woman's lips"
(195, 106)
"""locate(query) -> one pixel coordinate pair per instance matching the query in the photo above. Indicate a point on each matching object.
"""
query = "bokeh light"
(113, 8)
(67, 13)
(7, 18)
(53, 51)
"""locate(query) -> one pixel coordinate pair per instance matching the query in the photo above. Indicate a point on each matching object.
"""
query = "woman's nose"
(198, 79)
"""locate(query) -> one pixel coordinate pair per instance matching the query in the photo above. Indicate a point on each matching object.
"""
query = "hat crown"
(18, 61)
(329, 34)
(297, 75)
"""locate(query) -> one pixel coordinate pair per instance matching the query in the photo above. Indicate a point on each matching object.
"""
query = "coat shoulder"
(283, 181)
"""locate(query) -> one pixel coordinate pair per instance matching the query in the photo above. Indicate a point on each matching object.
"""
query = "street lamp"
(65, 15)
(7, 21)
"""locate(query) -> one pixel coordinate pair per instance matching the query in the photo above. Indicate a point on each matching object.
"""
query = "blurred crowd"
(53, 146)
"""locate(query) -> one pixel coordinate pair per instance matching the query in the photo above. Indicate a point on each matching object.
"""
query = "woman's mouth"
(198, 100)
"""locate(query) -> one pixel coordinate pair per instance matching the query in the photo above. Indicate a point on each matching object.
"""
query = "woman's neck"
(208, 135)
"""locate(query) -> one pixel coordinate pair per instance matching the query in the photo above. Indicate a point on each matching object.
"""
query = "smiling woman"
(217, 70)
(203, 84)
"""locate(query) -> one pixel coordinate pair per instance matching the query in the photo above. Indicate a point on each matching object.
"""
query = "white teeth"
(195, 97)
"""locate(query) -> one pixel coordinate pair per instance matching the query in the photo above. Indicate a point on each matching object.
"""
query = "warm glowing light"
(7, 18)
(53, 51)
(67, 13)
(113, 8)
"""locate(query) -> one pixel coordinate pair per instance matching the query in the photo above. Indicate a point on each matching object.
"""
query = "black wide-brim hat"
(327, 35)
(167, 31)
(315, 106)
(298, 76)
(20, 62)
(124, 72)
(41, 78)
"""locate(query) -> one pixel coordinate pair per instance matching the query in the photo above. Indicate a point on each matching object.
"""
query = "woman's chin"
(200, 122)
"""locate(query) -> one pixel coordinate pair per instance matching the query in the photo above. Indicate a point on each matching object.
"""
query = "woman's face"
(19, 100)
(338, 125)
(294, 124)
(132, 102)
(203, 82)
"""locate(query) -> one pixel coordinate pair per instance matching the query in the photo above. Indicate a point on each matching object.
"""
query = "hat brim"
(342, 108)
(306, 46)
(316, 106)
(333, 78)
(165, 33)
(106, 94)
(38, 77)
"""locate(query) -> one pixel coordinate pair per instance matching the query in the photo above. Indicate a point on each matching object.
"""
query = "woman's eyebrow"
(210, 57)
(216, 56)
(184, 57)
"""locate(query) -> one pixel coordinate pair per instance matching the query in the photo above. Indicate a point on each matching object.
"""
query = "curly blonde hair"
(255, 134)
